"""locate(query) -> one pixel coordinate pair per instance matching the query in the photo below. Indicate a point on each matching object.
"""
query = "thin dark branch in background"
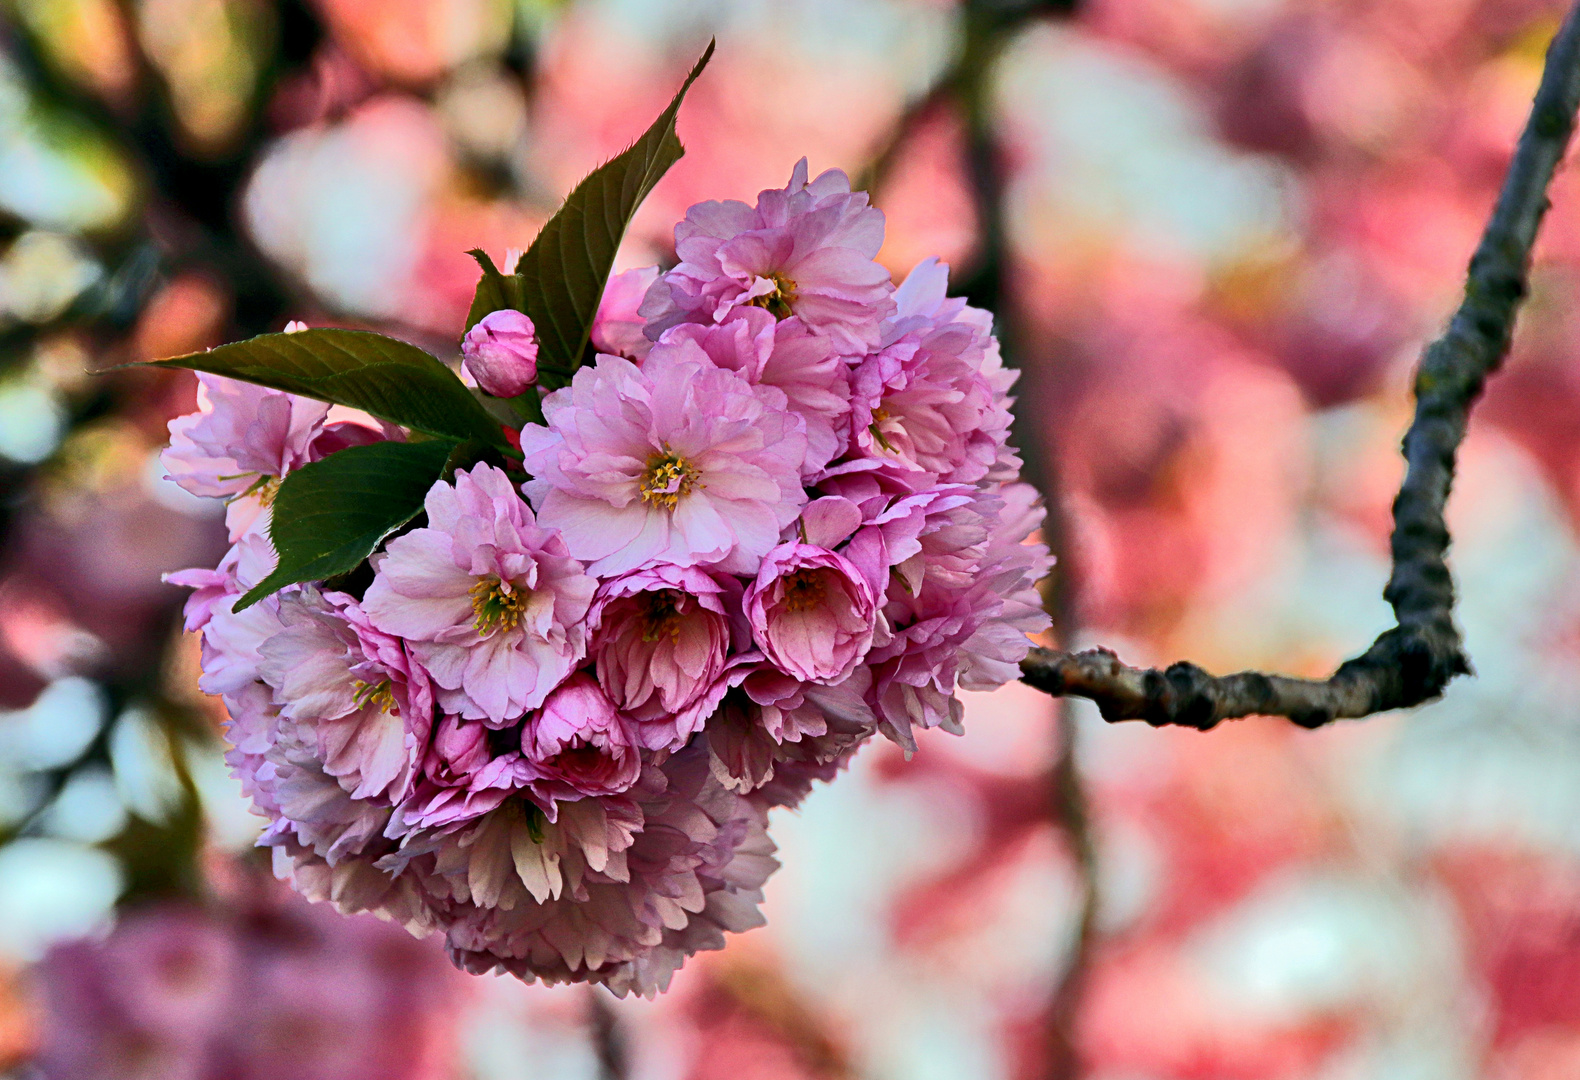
(1413, 662)
(966, 85)
(607, 1036)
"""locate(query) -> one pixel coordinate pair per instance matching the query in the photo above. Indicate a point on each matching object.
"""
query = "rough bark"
(1413, 662)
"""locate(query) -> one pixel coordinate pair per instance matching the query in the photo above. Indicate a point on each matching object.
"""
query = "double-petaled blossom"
(679, 461)
(368, 704)
(774, 517)
(242, 437)
(812, 612)
(786, 355)
(489, 602)
(662, 637)
(578, 744)
(807, 249)
(941, 631)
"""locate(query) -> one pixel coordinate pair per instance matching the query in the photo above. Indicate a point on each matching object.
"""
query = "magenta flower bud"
(501, 352)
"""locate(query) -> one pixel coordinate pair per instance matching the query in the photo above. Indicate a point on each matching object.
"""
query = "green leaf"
(332, 514)
(391, 379)
(560, 280)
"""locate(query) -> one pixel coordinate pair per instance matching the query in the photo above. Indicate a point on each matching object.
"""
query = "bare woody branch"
(1414, 661)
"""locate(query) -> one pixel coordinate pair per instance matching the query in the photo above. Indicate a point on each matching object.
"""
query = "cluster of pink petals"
(777, 516)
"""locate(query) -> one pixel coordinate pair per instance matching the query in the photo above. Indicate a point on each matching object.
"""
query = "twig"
(1414, 661)
(607, 1036)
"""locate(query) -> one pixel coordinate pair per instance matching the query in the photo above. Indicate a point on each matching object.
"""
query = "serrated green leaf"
(560, 279)
(332, 514)
(389, 378)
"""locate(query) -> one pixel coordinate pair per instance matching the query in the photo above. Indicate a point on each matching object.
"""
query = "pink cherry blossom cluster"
(778, 515)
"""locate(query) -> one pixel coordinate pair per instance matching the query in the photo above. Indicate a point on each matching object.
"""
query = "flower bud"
(501, 352)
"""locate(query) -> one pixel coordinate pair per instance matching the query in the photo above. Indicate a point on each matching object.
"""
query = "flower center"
(497, 605)
(881, 416)
(660, 615)
(803, 591)
(668, 477)
(379, 693)
(777, 303)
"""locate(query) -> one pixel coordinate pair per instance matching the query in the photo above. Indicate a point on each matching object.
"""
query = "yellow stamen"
(379, 693)
(497, 605)
(777, 303)
(803, 590)
(660, 618)
(668, 477)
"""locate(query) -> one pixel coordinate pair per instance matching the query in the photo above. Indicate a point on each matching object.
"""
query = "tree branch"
(1414, 661)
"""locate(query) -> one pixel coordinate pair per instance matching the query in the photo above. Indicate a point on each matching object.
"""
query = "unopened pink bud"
(501, 352)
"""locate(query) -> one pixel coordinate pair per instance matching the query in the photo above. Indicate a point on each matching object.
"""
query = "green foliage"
(391, 379)
(332, 514)
(560, 279)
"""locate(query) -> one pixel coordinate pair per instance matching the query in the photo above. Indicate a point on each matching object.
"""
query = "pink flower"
(242, 436)
(617, 329)
(774, 720)
(501, 352)
(806, 250)
(453, 788)
(369, 706)
(599, 898)
(490, 603)
(922, 409)
(579, 744)
(661, 640)
(946, 635)
(679, 461)
(785, 355)
(812, 612)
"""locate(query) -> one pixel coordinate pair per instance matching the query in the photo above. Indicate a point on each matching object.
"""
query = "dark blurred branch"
(608, 1040)
(1413, 662)
(966, 85)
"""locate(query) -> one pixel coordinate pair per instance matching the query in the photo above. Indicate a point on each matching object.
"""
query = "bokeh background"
(1215, 234)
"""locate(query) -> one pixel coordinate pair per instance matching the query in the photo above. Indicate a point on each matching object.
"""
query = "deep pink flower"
(579, 744)
(617, 329)
(807, 249)
(662, 635)
(452, 788)
(501, 352)
(812, 612)
(785, 355)
(775, 720)
(679, 461)
(490, 603)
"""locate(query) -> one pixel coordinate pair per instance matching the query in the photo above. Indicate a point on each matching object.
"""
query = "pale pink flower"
(922, 409)
(617, 329)
(501, 352)
(812, 612)
(370, 707)
(596, 898)
(662, 635)
(785, 355)
(579, 745)
(242, 437)
(490, 603)
(679, 461)
(807, 249)
(942, 632)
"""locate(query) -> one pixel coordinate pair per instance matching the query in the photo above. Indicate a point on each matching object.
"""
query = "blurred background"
(1215, 234)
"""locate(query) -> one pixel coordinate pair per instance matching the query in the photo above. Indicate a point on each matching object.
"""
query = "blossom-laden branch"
(1414, 661)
